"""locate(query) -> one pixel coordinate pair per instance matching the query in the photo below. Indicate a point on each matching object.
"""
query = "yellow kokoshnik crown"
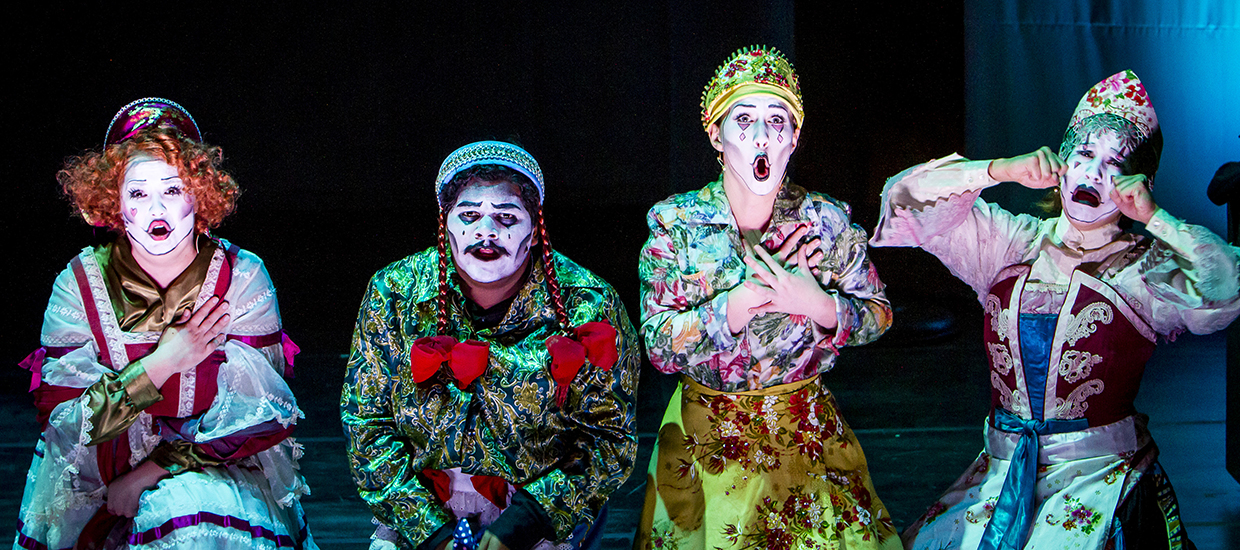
(751, 70)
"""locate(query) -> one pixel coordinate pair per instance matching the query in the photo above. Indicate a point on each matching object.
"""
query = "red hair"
(92, 180)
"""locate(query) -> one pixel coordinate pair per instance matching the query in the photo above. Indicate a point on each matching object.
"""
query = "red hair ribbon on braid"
(594, 341)
(467, 360)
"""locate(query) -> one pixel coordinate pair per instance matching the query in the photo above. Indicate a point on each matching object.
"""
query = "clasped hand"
(793, 289)
(188, 341)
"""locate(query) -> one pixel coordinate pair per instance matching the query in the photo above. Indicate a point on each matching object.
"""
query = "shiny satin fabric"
(1014, 510)
(140, 304)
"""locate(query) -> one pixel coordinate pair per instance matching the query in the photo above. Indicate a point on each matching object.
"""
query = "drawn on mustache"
(499, 250)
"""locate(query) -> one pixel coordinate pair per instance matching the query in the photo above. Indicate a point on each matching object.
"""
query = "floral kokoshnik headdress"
(751, 70)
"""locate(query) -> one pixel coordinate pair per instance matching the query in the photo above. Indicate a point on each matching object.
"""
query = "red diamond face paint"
(157, 209)
(754, 145)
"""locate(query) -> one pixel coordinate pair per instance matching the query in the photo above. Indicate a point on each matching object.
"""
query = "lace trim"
(1000, 320)
(1075, 365)
(1000, 359)
(103, 305)
(1082, 325)
(185, 400)
(142, 438)
(63, 341)
(66, 311)
(200, 535)
(1074, 406)
(212, 277)
(266, 402)
(255, 301)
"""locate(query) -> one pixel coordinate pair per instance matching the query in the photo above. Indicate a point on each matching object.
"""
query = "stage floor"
(917, 410)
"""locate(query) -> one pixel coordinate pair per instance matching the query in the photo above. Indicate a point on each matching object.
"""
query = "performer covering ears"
(1073, 307)
(159, 386)
(750, 287)
(489, 397)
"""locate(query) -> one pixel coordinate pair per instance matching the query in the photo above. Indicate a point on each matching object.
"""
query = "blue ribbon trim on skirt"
(1013, 516)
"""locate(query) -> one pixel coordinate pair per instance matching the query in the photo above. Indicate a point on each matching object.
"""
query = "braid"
(442, 301)
(553, 282)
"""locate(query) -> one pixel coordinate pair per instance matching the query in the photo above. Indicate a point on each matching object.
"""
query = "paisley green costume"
(505, 423)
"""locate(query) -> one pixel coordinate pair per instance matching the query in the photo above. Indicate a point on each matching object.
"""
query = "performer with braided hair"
(750, 287)
(489, 398)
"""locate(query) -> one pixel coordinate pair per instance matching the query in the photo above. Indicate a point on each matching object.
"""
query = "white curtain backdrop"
(1028, 62)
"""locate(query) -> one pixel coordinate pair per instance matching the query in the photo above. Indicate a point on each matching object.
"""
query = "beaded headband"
(149, 112)
(1122, 95)
(751, 70)
(488, 152)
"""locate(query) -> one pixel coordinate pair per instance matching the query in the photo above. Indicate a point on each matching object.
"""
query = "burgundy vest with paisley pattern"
(1097, 356)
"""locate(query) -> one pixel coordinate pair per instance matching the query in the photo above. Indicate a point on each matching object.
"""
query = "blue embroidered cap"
(488, 152)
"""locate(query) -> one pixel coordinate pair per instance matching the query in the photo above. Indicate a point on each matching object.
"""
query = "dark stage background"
(335, 120)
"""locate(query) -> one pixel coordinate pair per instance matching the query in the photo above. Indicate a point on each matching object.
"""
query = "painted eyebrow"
(469, 204)
(508, 206)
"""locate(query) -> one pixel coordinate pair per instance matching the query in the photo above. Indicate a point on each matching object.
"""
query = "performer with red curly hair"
(166, 419)
(489, 398)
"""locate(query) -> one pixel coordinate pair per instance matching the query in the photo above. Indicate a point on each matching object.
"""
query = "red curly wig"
(92, 180)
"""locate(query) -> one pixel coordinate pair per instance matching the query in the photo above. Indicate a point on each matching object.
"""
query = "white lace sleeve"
(936, 207)
(1189, 279)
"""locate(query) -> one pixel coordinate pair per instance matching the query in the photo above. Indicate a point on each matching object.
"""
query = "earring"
(719, 159)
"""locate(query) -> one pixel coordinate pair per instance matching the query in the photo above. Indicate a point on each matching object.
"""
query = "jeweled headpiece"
(751, 70)
(1122, 95)
(489, 152)
(149, 112)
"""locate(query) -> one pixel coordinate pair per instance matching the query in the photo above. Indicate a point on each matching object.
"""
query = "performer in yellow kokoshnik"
(750, 286)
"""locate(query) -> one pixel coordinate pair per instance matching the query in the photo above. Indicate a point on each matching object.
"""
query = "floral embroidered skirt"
(1097, 488)
(771, 468)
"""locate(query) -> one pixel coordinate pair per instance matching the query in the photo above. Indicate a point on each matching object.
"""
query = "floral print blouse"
(695, 255)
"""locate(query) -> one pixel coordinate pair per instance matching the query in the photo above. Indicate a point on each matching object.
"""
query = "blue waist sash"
(1013, 515)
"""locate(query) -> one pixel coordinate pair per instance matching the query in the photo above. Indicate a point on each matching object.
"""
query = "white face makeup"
(1086, 189)
(490, 231)
(157, 209)
(757, 139)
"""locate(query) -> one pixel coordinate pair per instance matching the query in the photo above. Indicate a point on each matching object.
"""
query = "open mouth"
(761, 167)
(1087, 197)
(159, 230)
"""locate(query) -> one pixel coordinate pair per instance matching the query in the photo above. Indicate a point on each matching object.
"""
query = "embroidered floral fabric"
(773, 468)
(751, 452)
(505, 423)
(1185, 279)
(695, 255)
